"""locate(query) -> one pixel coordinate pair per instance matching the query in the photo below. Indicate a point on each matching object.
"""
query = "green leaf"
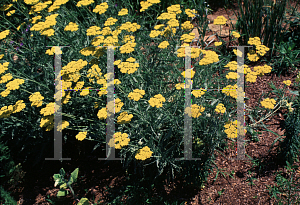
(63, 186)
(56, 176)
(62, 172)
(73, 176)
(294, 92)
(61, 193)
(83, 201)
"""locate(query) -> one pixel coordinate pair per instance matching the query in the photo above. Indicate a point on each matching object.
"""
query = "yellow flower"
(253, 57)
(157, 101)
(238, 52)
(36, 99)
(124, 118)
(10, 12)
(81, 136)
(195, 111)
(48, 110)
(71, 27)
(64, 125)
(218, 43)
(187, 25)
(3, 34)
(163, 44)
(143, 153)
(31, 2)
(5, 78)
(123, 12)
(220, 20)
(191, 13)
(120, 140)
(5, 93)
(268, 103)
(84, 3)
(6, 7)
(198, 93)
(19, 106)
(235, 34)
(254, 41)
(145, 5)
(101, 9)
(1, 56)
(136, 95)
(220, 108)
(287, 82)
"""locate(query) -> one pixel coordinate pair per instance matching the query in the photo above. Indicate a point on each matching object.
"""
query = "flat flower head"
(220, 20)
(287, 82)
(81, 136)
(123, 12)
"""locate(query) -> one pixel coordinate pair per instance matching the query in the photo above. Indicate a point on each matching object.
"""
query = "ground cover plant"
(149, 80)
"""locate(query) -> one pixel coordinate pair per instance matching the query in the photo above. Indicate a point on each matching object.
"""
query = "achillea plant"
(149, 128)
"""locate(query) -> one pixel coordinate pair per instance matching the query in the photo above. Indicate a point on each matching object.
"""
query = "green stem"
(31, 80)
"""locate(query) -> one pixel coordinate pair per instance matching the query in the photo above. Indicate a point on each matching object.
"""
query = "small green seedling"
(63, 183)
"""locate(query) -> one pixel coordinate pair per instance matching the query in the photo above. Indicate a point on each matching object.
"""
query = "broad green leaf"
(63, 186)
(56, 176)
(83, 201)
(74, 176)
(61, 193)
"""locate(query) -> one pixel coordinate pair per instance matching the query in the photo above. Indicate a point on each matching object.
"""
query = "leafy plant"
(63, 183)
(286, 190)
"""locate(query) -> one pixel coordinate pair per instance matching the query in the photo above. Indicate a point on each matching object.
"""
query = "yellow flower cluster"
(232, 75)
(5, 7)
(231, 129)
(81, 136)
(237, 52)
(36, 99)
(220, 108)
(124, 118)
(191, 13)
(195, 112)
(230, 90)
(63, 125)
(165, 16)
(123, 12)
(127, 48)
(287, 82)
(130, 27)
(84, 3)
(157, 101)
(31, 2)
(195, 52)
(15, 84)
(154, 33)
(218, 43)
(187, 25)
(260, 70)
(163, 44)
(48, 110)
(192, 73)
(209, 58)
(6, 111)
(93, 30)
(174, 9)
(220, 20)
(71, 27)
(48, 122)
(268, 103)
(39, 7)
(110, 21)
(34, 19)
(101, 8)
(45, 27)
(11, 12)
(198, 93)
(5, 78)
(94, 71)
(129, 66)
(146, 4)
(56, 5)
(136, 95)
(3, 34)
(113, 107)
(254, 41)
(188, 37)
(144, 153)
(120, 140)
(261, 49)
(235, 34)
(54, 49)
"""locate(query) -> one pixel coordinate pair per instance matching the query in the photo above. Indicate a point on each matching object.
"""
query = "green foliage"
(261, 18)
(10, 174)
(289, 148)
(63, 183)
(286, 190)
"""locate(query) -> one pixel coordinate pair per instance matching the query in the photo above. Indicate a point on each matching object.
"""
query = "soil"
(95, 175)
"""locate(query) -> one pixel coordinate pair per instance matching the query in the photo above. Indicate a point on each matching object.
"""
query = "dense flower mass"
(144, 153)
(120, 140)
(268, 103)
(220, 20)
